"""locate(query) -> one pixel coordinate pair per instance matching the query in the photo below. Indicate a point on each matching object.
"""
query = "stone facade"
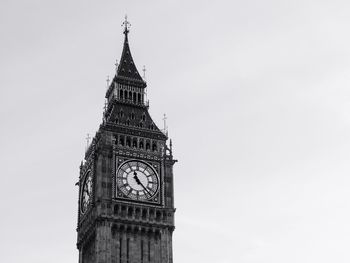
(115, 228)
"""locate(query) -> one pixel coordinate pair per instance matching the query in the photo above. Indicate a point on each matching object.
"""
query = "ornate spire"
(127, 69)
(126, 25)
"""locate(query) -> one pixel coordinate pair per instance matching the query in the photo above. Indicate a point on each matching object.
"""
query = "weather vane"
(126, 25)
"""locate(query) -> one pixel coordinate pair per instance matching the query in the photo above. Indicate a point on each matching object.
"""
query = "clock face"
(137, 180)
(86, 193)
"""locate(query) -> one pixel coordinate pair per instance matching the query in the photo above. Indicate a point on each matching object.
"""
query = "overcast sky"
(257, 97)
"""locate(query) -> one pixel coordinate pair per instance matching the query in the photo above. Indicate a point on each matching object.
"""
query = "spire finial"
(107, 80)
(165, 126)
(171, 148)
(126, 25)
(105, 106)
(87, 141)
(116, 66)
(144, 72)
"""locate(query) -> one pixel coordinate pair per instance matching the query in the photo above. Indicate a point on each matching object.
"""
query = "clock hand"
(139, 182)
(137, 179)
(146, 190)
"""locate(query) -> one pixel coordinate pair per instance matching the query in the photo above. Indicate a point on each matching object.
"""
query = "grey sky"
(257, 97)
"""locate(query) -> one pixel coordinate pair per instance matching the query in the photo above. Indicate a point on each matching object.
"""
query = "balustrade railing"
(134, 102)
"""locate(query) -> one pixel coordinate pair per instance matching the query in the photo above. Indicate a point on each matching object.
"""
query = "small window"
(137, 213)
(116, 209)
(158, 216)
(121, 140)
(134, 143)
(151, 213)
(139, 98)
(144, 214)
(123, 210)
(154, 147)
(128, 142)
(130, 211)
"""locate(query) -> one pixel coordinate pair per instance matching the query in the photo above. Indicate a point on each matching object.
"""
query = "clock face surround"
(86, 192)
(137, 180)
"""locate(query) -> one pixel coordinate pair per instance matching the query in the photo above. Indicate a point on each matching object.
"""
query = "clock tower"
(126, 196)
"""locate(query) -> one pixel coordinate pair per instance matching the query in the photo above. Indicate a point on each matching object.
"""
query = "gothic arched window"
(116, 209)
(130, 211)
(141, 144)
(121, 140)
(134, 143)
(158, 215)
(137, 213)
(123, 210)
(128, 142)
(151, 213)
(144, 213)
(138, 98)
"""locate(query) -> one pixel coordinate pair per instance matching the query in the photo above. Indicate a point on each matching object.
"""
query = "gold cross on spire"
(126, 25)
